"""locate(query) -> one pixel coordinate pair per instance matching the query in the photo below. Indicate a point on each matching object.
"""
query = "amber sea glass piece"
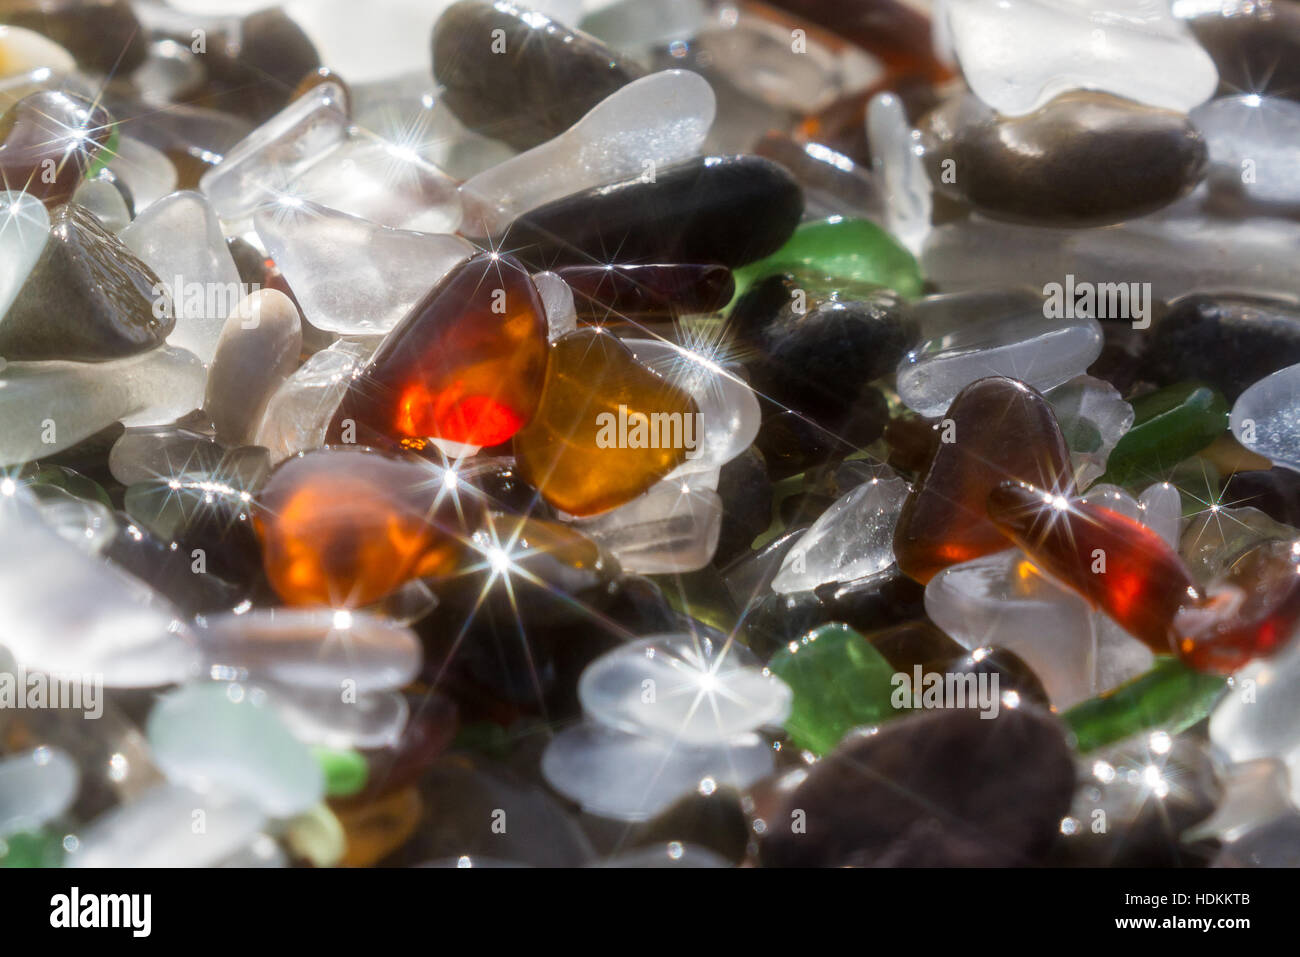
(996, 430)
(375, 829)
(344, 527)
(466, 364)
(604, 431)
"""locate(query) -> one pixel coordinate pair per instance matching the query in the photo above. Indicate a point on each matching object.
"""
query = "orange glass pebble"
(377, 828)
(466, 364)
(1120, 566)
(345, 527)
(996, 430)
(583, 451)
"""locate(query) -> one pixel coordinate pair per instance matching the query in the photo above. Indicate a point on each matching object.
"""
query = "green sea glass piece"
(1168, 426)
(346, 771)
(840, 682)
(1170, 697)
(848, 249)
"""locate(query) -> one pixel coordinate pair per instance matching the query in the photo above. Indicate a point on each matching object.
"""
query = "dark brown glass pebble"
(648, 291)
(721, 209)
(518, 76)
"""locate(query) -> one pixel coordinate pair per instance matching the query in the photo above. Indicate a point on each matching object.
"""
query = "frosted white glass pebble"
(1004, 601)
(909, 198)
(1120, 657)
(226, 739)
(262, 851)
(1016, 55)
(258, 171)
(1266, 417)
(627, 777)
(1259, 717)
(1273, 843)
(385, 183)
(640, 25)
(372, 720)
(1162, 511)
(24, 229)
(651, 122)
(368, 41)
(313, 648)
(1114, 498)
(257, 351)
(35, 786)
(352, 276)
(147, 172)
(1259, 135)
(104, 200)
(981, 254)
(852, 539)
(88, 525)
(408, 109)
(1041, 351)
(685, 688)
(180, 239)
(557, 301)
(1254, 793)
(145, 453)
(172, 72)
(1093, 417)
(298, 413)
(1181, 254)
(1178, 251)
(760, 56)
(63, 611)
(157, 830)
(50, 406)
(673, 527)
(945, 313)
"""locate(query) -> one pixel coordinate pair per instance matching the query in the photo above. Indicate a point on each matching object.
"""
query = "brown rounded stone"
(1084, 159)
